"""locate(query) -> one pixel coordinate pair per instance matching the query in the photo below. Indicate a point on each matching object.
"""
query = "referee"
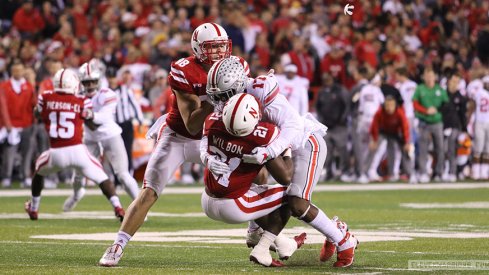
(127, 110)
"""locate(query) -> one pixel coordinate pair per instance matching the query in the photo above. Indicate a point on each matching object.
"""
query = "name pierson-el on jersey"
(63, 106)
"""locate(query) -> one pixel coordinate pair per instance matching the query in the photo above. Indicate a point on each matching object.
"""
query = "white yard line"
(319, 188)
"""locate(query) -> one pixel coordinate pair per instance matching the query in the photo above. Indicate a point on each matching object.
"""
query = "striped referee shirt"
(127, 107)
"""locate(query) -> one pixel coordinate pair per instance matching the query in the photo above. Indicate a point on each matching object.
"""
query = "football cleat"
(32, 214)
(73, 200)
(253, 237)
(329, 247)
(262, 256)
(287, 246)
(327, 251)
(111, 256)
(119, 213)
(346, 251)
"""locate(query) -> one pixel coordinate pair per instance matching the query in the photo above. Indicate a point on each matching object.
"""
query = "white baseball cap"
(290, 68)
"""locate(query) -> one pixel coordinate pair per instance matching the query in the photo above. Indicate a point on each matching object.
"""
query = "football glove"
(259, 155)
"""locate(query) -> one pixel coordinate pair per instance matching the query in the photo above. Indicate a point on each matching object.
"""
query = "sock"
(122, 239)
(35, 203)
(327, 227)
(77, 186)
(131, 186)
(282, 241)
(476, 172)
(253, 226)
(114, 200)
(484, 171)
(266, 240)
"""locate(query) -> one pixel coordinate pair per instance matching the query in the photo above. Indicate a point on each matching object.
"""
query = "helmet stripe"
(217, 29)
(235, 109)
(88, 69)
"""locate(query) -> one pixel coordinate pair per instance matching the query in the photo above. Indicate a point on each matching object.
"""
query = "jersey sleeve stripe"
(179, 79)
(271, 95)
(177, 72)
(246, 67)
(110, 100)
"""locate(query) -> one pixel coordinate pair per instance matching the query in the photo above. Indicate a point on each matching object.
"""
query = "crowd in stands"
(404, 51)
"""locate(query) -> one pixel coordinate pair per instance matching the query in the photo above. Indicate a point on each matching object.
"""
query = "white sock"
(327, 227)
(266, 240)
(282, 241)
(35, 203)
(114, 200)
(131, 186)
(476, 170)
(122, 239)
(253, 226)
(484, 174)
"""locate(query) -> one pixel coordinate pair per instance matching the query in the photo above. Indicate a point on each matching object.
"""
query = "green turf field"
(393, 226)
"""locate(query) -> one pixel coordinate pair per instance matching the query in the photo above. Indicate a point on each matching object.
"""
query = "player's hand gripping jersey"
(230, 149)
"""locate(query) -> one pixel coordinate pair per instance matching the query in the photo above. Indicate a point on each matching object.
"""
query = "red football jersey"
(230, 149)
(61, 114)
(188, 76)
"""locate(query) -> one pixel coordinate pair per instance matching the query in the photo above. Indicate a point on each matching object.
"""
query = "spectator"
(369, 100)
(21, 100)
(454, 123)
(28, 20)
(390, 123)
(332, 108)
(427, 101)
(126, 111)
(294, 88)
(300, 58)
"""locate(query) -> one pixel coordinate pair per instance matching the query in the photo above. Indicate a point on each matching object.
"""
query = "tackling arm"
(281, 168)
(193, 111)
(282, 114)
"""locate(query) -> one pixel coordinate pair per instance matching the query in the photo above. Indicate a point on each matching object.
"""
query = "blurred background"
(323, 59)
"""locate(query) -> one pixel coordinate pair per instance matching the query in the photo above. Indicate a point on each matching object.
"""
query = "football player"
(478, 92)
(64, 112)
(179, 132)
(232, 197)
(104, 136)
(305, 137)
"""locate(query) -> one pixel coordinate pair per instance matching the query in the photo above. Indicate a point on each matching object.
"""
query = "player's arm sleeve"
(107, 111)
(282, 114)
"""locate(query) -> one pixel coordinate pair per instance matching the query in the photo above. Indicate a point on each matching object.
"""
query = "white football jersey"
(371, 97)
(104, 106)
(294, 128)
(295, 91)
(407, 89)
(481, 98)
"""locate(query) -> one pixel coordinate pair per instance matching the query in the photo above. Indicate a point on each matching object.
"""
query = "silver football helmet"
(225, 79)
